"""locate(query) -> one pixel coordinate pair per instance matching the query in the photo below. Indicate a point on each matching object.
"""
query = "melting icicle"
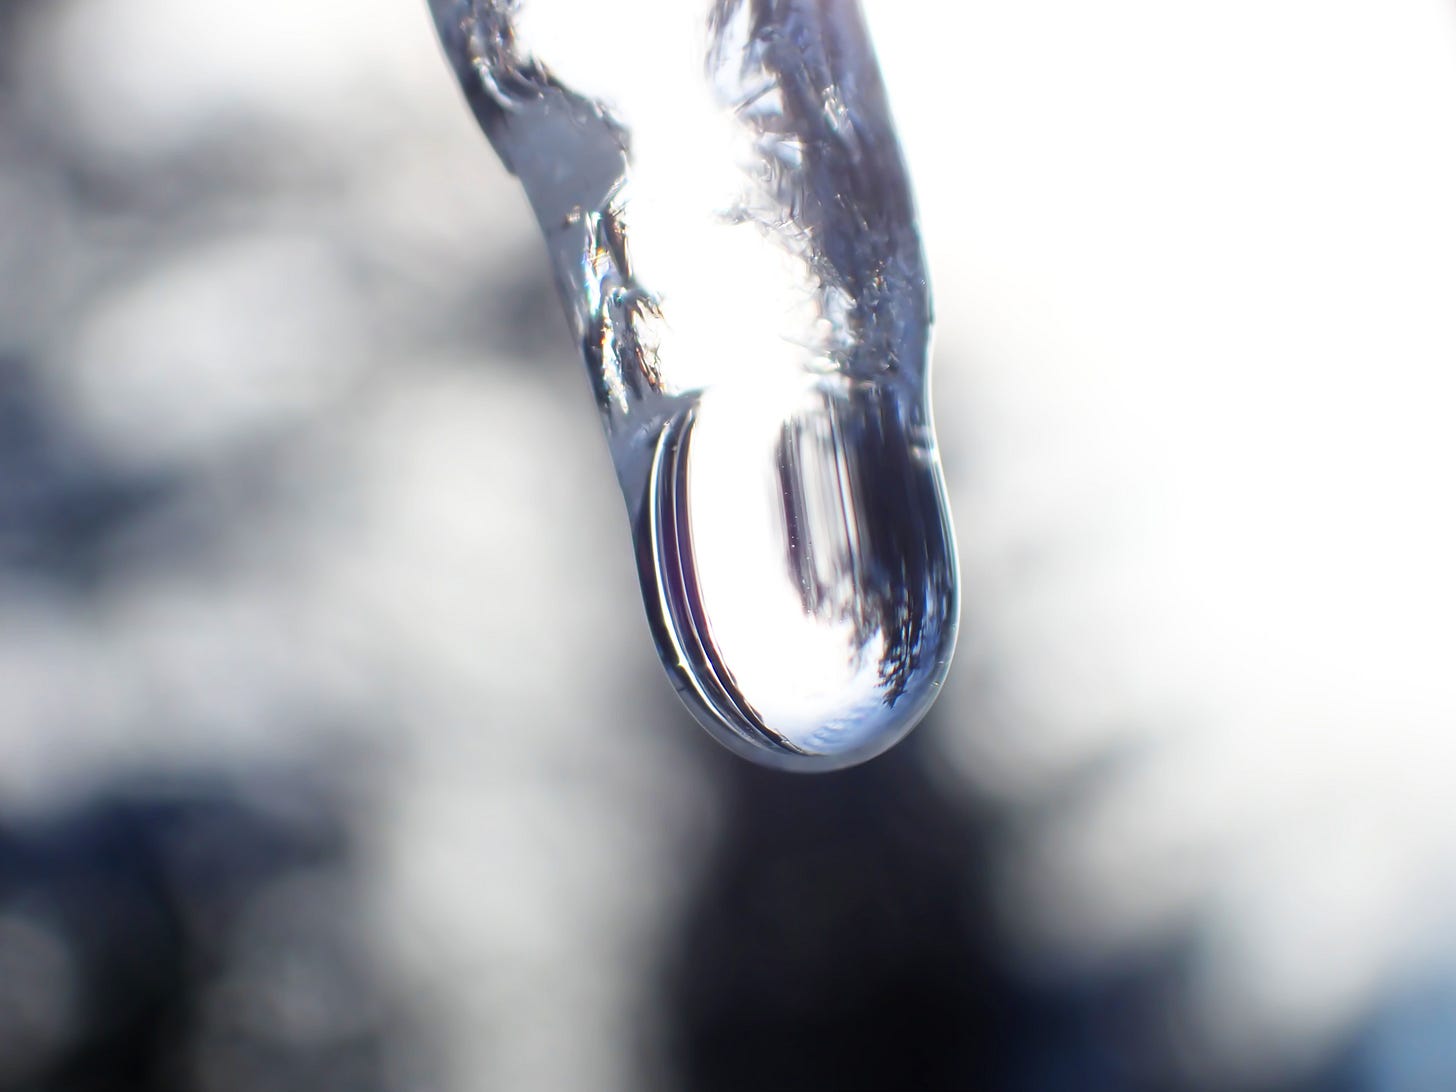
(732, 231)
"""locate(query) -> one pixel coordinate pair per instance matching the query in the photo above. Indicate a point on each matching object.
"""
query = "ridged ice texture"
(730, 223)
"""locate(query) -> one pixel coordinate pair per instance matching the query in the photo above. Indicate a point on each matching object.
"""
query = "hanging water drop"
(732, 231)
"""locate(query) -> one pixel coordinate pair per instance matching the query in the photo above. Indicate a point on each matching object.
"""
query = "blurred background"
(334, 753)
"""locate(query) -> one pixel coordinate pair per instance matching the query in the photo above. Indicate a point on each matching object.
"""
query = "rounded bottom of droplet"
(799, 575)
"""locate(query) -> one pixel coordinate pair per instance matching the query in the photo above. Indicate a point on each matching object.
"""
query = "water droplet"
(732, 231)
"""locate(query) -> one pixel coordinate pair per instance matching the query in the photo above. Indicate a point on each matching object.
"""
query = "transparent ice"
(732, 231)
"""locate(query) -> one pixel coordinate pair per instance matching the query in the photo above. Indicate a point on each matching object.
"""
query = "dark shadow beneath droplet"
(837, 940)
(842, 939)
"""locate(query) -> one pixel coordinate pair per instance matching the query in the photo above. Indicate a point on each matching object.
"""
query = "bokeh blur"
(334, 753)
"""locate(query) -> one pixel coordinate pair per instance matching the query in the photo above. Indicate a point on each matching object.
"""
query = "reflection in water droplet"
(732, 231)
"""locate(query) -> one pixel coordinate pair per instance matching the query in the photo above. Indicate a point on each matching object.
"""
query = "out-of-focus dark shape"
(188, 936)
(845, 938)
(62, 505)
